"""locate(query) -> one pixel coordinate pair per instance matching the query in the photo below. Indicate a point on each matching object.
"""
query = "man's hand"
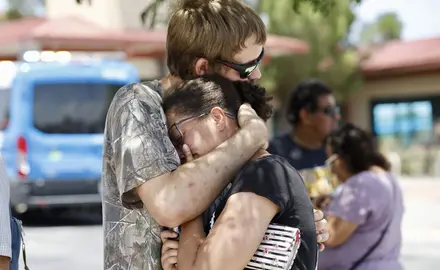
(187, 154)
(4, 263)
(248, 118)
(321, 229)
(170, 249)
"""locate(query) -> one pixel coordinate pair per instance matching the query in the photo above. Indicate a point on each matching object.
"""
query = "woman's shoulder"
(373, 175)
(269, 163)
(377, 180)
(270, 171)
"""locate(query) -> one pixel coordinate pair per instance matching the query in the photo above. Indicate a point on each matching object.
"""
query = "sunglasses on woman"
(245, 70)
(176, 134)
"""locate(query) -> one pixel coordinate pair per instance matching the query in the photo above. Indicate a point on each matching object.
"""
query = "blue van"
(52, 118)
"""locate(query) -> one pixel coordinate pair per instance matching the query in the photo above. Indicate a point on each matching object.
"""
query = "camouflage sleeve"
(141, 147)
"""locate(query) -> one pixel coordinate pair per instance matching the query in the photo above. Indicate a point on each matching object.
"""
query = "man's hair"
(305, 96)
(211, 29)
(200, 95)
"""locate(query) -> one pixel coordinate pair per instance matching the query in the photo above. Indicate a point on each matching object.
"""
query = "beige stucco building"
(414, 87)
(396, 72)
(400, 102)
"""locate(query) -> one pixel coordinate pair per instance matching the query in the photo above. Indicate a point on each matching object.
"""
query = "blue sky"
(421, 18)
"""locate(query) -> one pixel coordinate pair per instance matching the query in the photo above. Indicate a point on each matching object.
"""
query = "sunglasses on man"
(331, 111)
(245, 70)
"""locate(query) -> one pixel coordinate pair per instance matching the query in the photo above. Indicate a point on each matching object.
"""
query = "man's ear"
(219, 116)
(201, 67)
(305, 116)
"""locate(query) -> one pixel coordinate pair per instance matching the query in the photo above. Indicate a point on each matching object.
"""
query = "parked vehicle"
(52, 118)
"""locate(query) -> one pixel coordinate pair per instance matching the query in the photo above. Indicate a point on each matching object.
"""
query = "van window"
(72, 108)
(4, 107)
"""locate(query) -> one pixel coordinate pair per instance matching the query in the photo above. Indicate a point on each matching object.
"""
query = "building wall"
(149, 69)
(105, 13)
(114, 14)
(130, 11)
(400, 87)
(412, 151)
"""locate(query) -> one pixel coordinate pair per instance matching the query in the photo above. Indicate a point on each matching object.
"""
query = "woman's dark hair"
(200, 95)
(357, 148)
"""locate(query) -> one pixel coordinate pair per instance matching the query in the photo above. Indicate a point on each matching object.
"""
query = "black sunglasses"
(330, 110)
(245, 70)
(176, 135)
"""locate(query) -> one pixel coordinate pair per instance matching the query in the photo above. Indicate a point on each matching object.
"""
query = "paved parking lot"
(75, 241)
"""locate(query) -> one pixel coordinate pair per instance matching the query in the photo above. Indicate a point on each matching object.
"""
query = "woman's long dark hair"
(200, 95)
(357, 148)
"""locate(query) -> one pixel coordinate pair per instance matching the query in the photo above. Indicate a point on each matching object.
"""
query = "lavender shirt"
(369, 199)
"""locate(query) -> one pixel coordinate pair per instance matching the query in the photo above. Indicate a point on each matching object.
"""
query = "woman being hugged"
(201, 115)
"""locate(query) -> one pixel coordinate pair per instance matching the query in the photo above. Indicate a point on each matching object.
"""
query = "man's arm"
(4, 263)
(348, 210)
(185, 193)
(146, 163)
(5, 219)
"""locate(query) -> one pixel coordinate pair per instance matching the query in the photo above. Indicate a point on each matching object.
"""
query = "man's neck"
(169, 82)
(306, 138)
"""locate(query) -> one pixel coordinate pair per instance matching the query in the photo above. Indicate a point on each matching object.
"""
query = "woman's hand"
(170, 248)
(322, 201)
(322, 230)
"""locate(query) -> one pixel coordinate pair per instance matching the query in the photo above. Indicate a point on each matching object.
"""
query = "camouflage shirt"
(136, 149)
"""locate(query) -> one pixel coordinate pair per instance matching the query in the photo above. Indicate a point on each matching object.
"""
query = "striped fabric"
(278, 249)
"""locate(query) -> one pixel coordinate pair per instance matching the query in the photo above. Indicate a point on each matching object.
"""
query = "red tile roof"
(403, 57)
(18, 30)
(76, 32)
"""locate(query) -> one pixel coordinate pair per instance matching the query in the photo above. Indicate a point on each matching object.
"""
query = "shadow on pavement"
(46, 218)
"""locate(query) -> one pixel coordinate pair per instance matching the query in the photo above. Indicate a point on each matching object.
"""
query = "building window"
(406, 121)
(406, 128)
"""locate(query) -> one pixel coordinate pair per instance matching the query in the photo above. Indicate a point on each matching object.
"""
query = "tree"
(323, 24)
(21, 8)
(151, 11)
(330, 57)
(386, 27)
(323, 6)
